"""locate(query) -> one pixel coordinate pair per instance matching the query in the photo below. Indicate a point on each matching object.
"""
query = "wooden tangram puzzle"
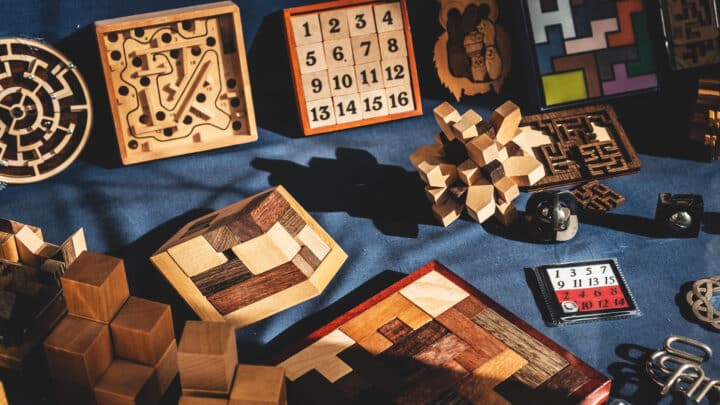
(589, 49)
(706, 117)
(691, 28)
(578, 145)
(432, 338)
(178, 81)
(45, 111)
(352, 63)
(250, 260)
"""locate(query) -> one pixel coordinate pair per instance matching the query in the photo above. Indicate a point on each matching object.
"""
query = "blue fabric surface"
(360, 186)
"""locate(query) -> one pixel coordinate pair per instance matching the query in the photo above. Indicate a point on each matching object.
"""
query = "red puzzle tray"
(432, 338)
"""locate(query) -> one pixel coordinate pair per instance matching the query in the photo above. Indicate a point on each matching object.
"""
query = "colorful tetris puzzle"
(586, 50)
(431, 338)
(352, 63)
(691, 29)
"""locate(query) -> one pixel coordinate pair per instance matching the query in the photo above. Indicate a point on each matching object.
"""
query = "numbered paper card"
(353, 64)
(585, 291)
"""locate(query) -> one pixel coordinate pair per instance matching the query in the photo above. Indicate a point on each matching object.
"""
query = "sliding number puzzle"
(178, 81)
(577, 145)
(353, 64)
(431, 338)
(588, 50)
(691, 29)
(250, 259)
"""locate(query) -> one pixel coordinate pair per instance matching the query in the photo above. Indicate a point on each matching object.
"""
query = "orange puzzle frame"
(300, 96)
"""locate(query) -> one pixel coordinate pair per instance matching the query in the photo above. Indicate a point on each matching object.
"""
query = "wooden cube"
(78, 352)
(193, 400)
(258, 385)
(142, 331)
(95, 286)
(207, 357)
(127, 383)
(166, 368)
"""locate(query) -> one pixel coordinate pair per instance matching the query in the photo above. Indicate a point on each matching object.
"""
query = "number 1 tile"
(306, 29)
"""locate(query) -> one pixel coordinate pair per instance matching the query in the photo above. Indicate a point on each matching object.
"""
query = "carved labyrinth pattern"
(692, 31)
(45, 111)
(431, 342)
(585, 143)
(596, 197)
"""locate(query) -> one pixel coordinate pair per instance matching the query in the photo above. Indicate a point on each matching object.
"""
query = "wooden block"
(321, 113)
(483, 342)
(506, 119)
(505, 212)
(432, 170)
(361, 20)
(465, 128)
(369, 77)
(366, 49)
(316, 85)
(502, 152)
(196, 256)
(191, 400)
(311, 58)
(338, 53)
(128, 383)
(480, 201)
(348, 108)
(166, 368)
(447, 212)
(468, 172)
(73, 247)
(142, 331)
(29, 245)
(320, 356)
(207, 356)
(8, 248)
(3, 396)
(395, 72)
(258, 385)
(434, 293)
(478, 387)
(306, 29)
(95, 286)
(307, 237)
(482, 150)
(436, 194)
(334, 25)
(267, 251)
(388, 17)
(524, 170)
(395, 330)
(507, 189)
(446, 116)
(493, 171)
(374, 104)
(78, 352)
(392, 44)
(400, 99)
(342, 82)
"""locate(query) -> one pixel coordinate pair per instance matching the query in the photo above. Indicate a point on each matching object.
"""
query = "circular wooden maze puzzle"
(45, 111)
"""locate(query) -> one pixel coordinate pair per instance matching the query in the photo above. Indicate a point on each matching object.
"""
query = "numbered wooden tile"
(311, 58)
(366, 48)
(334, 25)
(388, 17)
(306, 29)
(361, 20)
(395, 72)
(316, 85)
(321, 113)
(342, 81)
(369, 77)
(347, 108)
(392, 44)
(373, 104)
(338, 53)
(400, 99)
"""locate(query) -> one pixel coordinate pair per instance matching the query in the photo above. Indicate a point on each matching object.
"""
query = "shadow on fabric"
(357, 184)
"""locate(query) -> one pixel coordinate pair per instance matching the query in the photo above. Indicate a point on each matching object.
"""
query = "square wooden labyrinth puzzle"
(352, 64)
(578, 145)
(177, 80)
(250, 260)
(431, 338)
(587, 50)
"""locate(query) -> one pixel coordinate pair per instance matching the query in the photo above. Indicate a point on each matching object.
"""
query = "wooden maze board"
(588, 50)
(353, 64)
(579, 145)
(691, 28)
(431, 338)
(45, 111)
(178, 81)
(250, 260)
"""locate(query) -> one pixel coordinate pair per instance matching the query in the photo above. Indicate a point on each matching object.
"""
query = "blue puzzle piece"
(589, 11)
(555, 46)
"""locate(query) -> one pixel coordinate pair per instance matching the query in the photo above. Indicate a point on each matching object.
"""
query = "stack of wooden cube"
(111, 348)
(210, 374)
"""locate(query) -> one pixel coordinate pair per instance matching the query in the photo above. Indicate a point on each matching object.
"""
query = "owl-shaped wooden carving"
(473, 55)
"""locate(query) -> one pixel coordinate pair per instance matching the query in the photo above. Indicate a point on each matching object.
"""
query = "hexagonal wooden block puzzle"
(250, 260)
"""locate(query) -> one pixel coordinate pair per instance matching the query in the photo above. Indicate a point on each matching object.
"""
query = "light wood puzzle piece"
(316, 85)
(369, 76)
(447, 212)
(334, 25)
(524, 170)
(177, 81)
(312, 58)
(446, 116)
(258, 385)
(482, 150)
(306, 29)
(338, 53)
(434, 293)
(348, 108)
(395, 72)
(366, 49)
(399, 99)
(480, 202)
(388, 17)
(466, 127)
(267, 251)
(342, 82)
(207, 357)
(361, 20)
(320, 356)
(506, 119)
(374, 104)
(196, 256)
(392, 44)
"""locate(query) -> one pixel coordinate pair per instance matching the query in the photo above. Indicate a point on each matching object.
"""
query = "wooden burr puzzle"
(353, 64)
(579, 145)
(250, 260)
(30, 290)
(177, 81)
(45, 111)
(111, 348)
(432, 338)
